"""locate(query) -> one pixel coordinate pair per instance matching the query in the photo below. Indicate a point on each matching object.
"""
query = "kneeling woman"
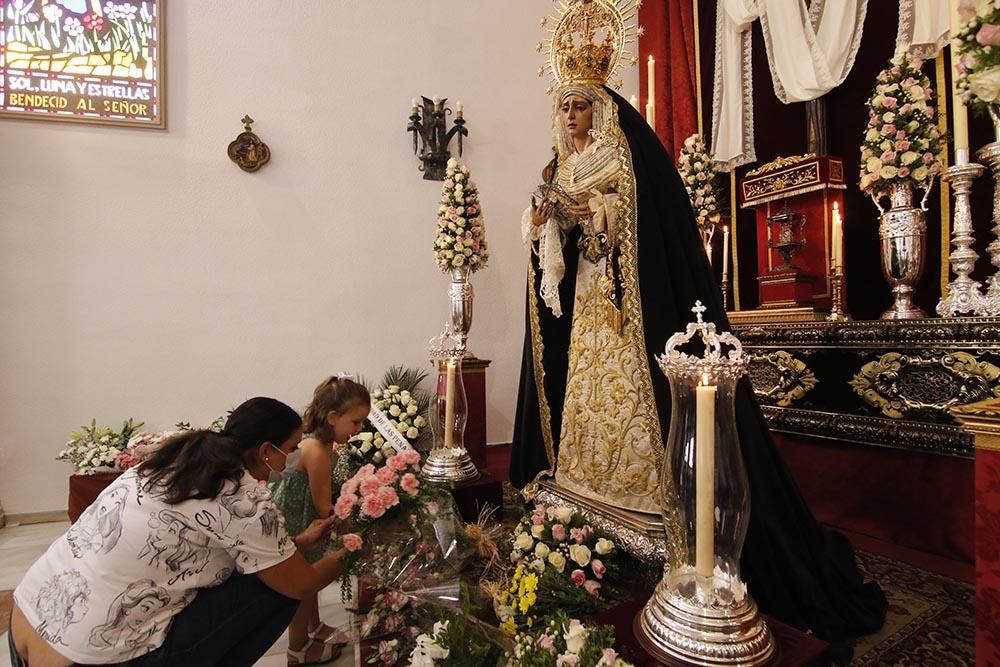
(189, 564)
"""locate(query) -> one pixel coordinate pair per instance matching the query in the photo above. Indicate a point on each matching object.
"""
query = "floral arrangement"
(902, 140)
(367, 496)
(561, 563)
(95, 448)
(139, 447)
(697, 171)
(458, 641)
(461, 233)
(402, 401)
(566, 641)
(978, 80)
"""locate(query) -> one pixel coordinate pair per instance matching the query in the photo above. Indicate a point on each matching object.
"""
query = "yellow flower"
(530, 621)
(508, 627)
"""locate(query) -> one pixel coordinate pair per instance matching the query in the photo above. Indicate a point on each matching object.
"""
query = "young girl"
(337, 412)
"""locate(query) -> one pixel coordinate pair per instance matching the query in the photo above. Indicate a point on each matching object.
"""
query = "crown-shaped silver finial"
(712, 360)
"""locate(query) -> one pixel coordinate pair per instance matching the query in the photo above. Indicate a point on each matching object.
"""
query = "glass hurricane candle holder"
(448, 461)
(701, 612)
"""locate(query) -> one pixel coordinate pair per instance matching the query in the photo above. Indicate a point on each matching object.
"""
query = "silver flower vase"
(903, 235)
(460, 294)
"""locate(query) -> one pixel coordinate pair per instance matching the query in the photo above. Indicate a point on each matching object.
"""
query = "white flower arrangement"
(979, 54)
(697, 171)
(902, 140)
(461, 233)
(404, 404)
(429, 650)
(95, 448)
(566, 642)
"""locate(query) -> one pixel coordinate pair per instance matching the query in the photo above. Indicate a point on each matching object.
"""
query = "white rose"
(452, 162)
(909, 157)
(366, 447)
(411, 409)
(401, 427)
(889, 117)
(412, 433)
(888, 171)
(915, 93)
(604, 547)
(541, 550)
(458, 178)
(538, 531)
(580, 554)
(873, 165)
(523, 541)
(366, 435)
(575, 636)
(920, 173)
(871, 135)
(377, 457)
(557, 560)
(564, 514)
(394, 410)
(986, 84)
(420, 422)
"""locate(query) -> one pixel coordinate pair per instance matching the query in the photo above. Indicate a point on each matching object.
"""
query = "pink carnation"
(395, 463)
(370, 485)
(372, 507)
(592, 587)
(410, 456)
(387, 497)
(578, 577)
(386, 475)
(598, 567)
(352, 541)
(345, 505)
(409, 483)
(559, 532)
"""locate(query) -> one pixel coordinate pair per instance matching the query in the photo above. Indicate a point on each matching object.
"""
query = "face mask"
(291, 466)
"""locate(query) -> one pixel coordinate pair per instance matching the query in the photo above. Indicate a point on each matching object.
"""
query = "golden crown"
(588, 39)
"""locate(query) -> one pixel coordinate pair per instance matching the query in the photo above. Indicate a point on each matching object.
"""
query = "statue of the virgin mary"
(616, 263)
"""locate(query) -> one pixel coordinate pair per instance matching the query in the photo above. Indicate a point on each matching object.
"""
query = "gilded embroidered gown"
(592, 414)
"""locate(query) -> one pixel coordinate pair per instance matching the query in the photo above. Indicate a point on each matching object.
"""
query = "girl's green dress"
(294, 499)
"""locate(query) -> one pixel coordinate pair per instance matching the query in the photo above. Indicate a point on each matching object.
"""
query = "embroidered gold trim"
(544, 415)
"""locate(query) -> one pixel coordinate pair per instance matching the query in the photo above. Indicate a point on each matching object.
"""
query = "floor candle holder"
(700, 612)
(448, 461)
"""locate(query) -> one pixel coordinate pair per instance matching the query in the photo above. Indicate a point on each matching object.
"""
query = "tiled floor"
(21, 545)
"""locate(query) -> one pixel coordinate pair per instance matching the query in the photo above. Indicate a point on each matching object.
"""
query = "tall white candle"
(651, 92)
(704, 442)
(449, 405)
(836, 239)
(960, 119)
(725, 252)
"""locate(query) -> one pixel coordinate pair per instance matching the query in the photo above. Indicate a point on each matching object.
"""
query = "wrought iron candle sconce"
(428, 122)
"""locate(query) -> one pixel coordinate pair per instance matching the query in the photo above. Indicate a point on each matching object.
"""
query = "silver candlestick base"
(679, 629)
(449, 464)
(990, 154)
(963, 292)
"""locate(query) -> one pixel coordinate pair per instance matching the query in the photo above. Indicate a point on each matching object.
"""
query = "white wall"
(142, 274)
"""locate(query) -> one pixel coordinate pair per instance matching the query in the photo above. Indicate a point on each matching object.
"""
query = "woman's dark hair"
(196, 464)
(334, 394)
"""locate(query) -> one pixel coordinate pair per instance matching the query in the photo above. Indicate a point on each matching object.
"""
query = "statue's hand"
(540, 213)
(579, 210)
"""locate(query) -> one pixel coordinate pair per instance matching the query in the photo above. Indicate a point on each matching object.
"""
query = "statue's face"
(577, 115)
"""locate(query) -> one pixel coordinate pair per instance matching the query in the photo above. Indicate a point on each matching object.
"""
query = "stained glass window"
(84, 60)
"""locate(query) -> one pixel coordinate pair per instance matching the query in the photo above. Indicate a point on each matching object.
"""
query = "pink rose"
(903, 172)
(537, 519)
(890, 102)
(989, 35)
(592, 587)
(888, 128)
(967, 9)
(344, 506)
(578, 535)
(902, 145)
(352, 541)
(559, 532)
(598, 567)
(372, 507)
(610, 656)
(546, 642)
(578, 577)
(387, 496)
(386, 475)
(887, 156)
(928, 158)
(568, 659)
(409, 483)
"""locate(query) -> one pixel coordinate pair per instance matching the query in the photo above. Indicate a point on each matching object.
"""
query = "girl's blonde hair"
(334, 394)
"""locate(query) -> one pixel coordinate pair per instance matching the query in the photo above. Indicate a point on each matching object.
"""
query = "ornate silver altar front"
(700, 612)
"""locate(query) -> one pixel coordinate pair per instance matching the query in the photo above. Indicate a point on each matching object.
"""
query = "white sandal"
(330, 653)
(336, 638)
